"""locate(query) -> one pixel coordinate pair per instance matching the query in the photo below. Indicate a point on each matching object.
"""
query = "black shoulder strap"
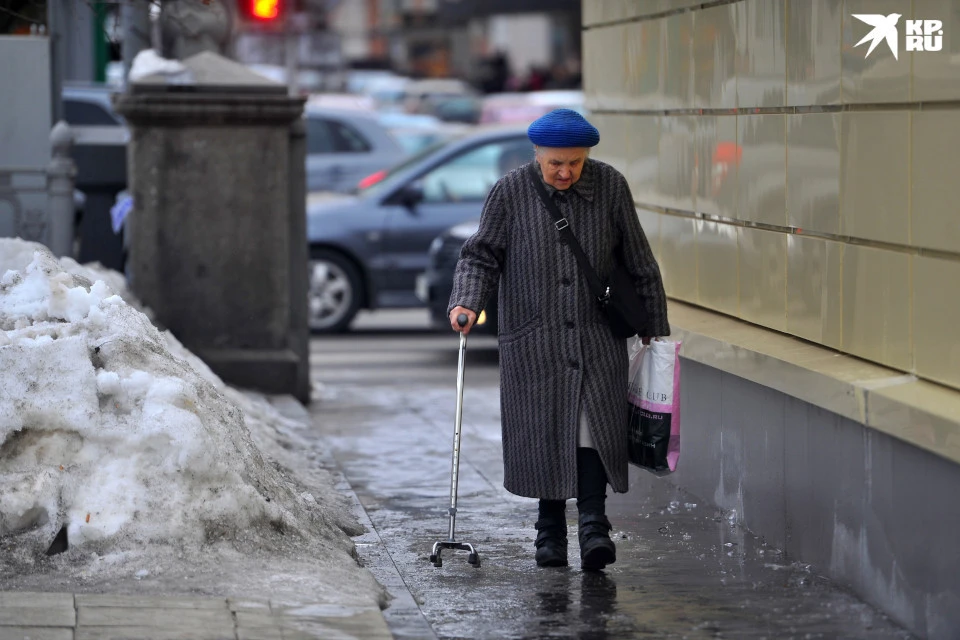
(563, 228)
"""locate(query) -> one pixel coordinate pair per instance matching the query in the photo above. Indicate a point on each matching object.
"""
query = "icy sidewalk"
(684, 570)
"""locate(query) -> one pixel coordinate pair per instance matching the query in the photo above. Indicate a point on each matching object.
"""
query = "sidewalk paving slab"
(36, 599)
(259, 634)
(37, 617)
(35, 633)
(365, 624)
(142, 633)
(29, 609)
(257, 620)
(255, 606)
(115, 601)
(154, 617)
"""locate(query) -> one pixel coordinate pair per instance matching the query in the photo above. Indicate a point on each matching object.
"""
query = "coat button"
(565, 282)
(574, 364)
(570, 324)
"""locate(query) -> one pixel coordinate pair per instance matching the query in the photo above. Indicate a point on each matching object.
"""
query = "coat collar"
(582, 187)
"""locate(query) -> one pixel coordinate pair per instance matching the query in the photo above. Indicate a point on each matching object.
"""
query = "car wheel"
(334, 291)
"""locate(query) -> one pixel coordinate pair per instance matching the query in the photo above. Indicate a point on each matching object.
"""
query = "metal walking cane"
(451, 542)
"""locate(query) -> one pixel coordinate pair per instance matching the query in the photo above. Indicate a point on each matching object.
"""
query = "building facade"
(800, 195)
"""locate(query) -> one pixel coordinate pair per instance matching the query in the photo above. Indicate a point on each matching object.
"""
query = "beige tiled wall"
(714, 50)
(676, 157)
(814, 289)
(813, 57)
(813, 172)
(784, 177)
(763, 277)
(935, 184)
(937, 77)
(717, 258)
(762, 177)
(650, 223)
(762, 53)
(876, 305)
(715, 172)
(643, 157)
(875, 176)
(676, 55)
(678, 257)
(936, 317)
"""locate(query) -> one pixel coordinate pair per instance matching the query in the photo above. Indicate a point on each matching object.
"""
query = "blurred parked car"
(526, 107)
(343, 146)
(88, 104)
(436, 283)
(387, 92)
(421, 96)
(308, 80)
(100, 154)
(343, 101)
(366, 251)
(416, 131)
(463, 109)
(360, 80)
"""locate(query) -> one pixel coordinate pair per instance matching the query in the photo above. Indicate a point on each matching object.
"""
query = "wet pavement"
(385, 416)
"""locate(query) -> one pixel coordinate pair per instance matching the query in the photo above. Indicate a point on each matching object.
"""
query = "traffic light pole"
(135, 22)
(292, 35)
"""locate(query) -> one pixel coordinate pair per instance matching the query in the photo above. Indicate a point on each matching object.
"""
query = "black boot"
(551, 541)
(596, 548)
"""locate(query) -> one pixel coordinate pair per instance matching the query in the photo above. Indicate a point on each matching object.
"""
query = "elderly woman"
(563, 372)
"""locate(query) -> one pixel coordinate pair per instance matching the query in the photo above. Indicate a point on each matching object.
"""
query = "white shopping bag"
(653, 424)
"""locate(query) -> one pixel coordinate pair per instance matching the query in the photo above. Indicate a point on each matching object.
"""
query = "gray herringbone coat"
(556, 349)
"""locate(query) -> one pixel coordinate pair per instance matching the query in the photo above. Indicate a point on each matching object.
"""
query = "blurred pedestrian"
(563, 372)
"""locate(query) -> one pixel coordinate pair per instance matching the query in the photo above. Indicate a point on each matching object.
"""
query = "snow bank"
(111, 429)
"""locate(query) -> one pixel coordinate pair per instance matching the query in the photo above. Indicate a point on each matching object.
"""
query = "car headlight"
(436, 244)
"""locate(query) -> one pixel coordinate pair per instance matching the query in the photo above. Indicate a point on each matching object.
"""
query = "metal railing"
(28, 222)
(50, 223)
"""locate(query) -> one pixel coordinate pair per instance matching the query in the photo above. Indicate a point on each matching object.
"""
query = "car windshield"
(377, 187)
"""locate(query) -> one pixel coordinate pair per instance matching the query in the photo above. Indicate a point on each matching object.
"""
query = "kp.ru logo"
(922, 35)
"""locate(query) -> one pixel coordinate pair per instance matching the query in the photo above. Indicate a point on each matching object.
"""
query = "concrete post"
(60, 184)
(217, 242)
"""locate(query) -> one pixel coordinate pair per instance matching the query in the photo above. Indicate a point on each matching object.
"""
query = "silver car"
(344, 147)
(367, 251)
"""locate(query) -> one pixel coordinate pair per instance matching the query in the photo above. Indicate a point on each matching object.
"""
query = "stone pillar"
(217, 234)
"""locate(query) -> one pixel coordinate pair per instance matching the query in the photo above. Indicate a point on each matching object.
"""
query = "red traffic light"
(265, 11)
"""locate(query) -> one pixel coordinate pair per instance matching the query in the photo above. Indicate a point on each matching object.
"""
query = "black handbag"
(618, 297)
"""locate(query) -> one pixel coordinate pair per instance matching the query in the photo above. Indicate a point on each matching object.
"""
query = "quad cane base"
(439, 546)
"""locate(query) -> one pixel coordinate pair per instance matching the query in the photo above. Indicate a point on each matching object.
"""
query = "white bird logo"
(884, 27)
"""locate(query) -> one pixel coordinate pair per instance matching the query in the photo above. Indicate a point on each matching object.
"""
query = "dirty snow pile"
(112, 430)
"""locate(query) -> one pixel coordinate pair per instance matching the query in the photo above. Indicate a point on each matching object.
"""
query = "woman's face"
(561, 166)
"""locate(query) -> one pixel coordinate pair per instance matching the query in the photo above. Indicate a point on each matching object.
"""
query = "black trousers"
(591, 488)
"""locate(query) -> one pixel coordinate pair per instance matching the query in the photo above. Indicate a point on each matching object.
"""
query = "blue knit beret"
(563, 128)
